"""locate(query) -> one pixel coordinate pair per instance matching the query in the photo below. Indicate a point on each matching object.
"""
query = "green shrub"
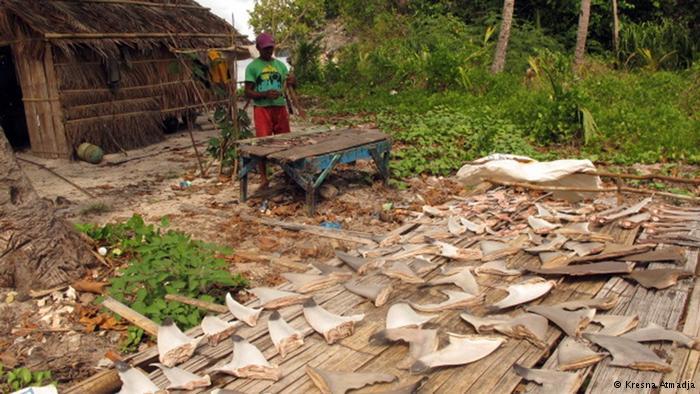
(164, 262)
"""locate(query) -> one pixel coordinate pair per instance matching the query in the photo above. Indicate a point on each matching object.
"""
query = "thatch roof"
(105, 25)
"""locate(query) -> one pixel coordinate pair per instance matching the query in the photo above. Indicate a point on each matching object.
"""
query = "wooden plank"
(329, 146)
(260, 151)
(30, 107)
(131, 315)
(42, 105)
(279, 137)
(663, 307)
(61, 140)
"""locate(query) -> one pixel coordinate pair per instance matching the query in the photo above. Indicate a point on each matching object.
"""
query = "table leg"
(245, 165)
(381, 156)
(311, 200)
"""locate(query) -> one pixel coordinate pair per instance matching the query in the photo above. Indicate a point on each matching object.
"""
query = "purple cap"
(264, 40)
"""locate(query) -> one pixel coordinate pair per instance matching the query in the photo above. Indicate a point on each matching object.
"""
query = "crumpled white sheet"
(510, 168)
(50, 389)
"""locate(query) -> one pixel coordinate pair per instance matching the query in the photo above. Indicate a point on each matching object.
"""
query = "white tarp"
(510, 168)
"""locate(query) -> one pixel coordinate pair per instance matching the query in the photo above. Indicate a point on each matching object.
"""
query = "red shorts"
(270, 121)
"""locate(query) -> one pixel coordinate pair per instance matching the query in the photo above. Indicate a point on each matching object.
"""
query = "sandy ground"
(45, 333)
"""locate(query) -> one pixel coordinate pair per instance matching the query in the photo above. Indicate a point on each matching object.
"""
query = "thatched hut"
(103, 71)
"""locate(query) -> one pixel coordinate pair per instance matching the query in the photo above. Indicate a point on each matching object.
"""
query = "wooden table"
(309, 157)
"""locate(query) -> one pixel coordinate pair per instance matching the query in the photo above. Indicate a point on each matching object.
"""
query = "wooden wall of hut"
(130, 113)
(42, 108)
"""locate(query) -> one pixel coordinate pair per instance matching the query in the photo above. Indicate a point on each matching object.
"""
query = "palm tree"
(499, 60)
(582, 33)
(38, 250)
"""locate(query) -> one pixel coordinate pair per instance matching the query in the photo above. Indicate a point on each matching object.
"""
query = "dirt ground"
(45, 333)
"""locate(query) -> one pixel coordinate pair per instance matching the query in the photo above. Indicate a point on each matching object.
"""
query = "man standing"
(265, 79)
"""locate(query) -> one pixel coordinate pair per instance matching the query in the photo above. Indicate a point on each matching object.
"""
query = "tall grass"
(656, 45)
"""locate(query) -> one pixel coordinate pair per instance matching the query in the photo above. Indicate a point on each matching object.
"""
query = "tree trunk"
(499, 60)
(37, 249)
(616, 28)
(582, 33)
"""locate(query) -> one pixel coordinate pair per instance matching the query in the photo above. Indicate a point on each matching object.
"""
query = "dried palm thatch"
(74, 42)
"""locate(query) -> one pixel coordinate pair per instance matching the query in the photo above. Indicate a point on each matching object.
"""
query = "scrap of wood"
(210, 306)
(103, 382)
(623, 189)
(345, 235)
(131, 315)
(59, 176)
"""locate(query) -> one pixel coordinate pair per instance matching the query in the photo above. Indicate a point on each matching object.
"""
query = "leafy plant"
(164, 262)
(19, 378)
(222, 147)
(665, 44)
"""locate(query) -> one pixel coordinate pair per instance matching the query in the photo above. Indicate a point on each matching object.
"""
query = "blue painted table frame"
(310, 172)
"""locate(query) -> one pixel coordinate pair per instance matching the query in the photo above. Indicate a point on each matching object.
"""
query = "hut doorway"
(12, 117)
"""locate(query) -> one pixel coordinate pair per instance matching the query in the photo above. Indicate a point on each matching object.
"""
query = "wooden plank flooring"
(674, 307)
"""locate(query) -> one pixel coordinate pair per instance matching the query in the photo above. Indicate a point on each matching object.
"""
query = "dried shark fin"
(333, 327)
(241, 312)
(553, 259)
(674, 255)
(338, 273)
(616, 325)
(630, 354)
(462, 279)
(284, 337)
(496, 267)
(341, 382)
(216, 329)
(572, 354)
(584, 248)
(634, 209)
(462, 349)
(174, 347)
(421, 342)
(457, 253)
(541, 226)
(528, 326)
(434, 212)
(552, 382)
(378, 294)
(306, 283)
(455, 226)
(411, 388)
(602, 304)
(477, 228)
(525, 291)
(402, 315)
(572, 323)
(654, 332)
(455, 300)
(602, 268)
(551, 246)
(249, 362)
(274, 299)
(400, 270)
(181, 379)
(358, 264)
(661, 278)
(490, 247)
(422, 265)
(134, 381)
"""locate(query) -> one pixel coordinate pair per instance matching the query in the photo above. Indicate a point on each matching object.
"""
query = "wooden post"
(616, 28)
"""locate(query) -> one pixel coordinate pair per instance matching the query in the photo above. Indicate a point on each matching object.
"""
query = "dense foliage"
(420, 70)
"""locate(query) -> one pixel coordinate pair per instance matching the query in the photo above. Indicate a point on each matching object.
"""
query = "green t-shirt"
(267, 76)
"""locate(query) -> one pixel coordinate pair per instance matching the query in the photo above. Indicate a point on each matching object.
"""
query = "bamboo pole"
(644, 177)
(87, 193)
(594, 190)
(88, 36)
(141, 3)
